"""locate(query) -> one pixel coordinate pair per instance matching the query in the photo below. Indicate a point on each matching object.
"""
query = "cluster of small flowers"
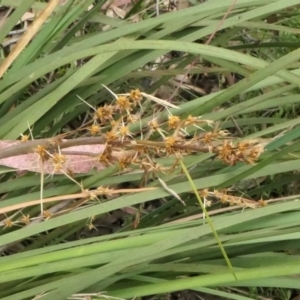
(226, 198)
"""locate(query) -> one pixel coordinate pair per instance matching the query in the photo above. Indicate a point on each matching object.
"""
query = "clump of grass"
(75, 85)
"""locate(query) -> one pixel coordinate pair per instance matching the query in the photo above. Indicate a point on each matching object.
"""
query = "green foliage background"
(262, 244)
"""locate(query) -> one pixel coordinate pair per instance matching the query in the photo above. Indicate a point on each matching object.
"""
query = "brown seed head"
(125, 161)
(262, 203)
(170, 144)
(25, 219)
(153, 125)
(24, 138)
(123, 103)
(110, 136)
(136, 96)
(47, 214)
(105, 191)
(190, 120)
(94, 129)
(8, 223)
(104, 113)
(58, 158)
(124, 131)
(173, 122)
(41, 151)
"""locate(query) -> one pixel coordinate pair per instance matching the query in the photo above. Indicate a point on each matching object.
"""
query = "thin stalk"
(208, 219)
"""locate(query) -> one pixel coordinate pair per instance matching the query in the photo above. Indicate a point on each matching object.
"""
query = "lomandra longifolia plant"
(110, 128)
(108, 140)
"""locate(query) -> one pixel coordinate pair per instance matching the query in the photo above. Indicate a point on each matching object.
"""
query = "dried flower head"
(190, 120)
(123, 103)
(125, 161)
(110, 136)
(58, 158)
(140, 150)
(226, 153)
(136, 96)
(153, 125)
(24, 138)
(47, 214)
(42, 152)
(244, 151)
(208, 203)
(92, 195)
(106, 191)
(223, 197)
(204, 193)
(209, 137)
(173, 122)
(132, 118)
(254, 153)
(170, 143)
(124, 132)
(262, 203)
(195, 121)
(25, 219)
(8, 223)
(104, 113)
(94, 129)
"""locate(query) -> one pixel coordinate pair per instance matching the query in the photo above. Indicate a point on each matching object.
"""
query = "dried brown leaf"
(76, 163)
